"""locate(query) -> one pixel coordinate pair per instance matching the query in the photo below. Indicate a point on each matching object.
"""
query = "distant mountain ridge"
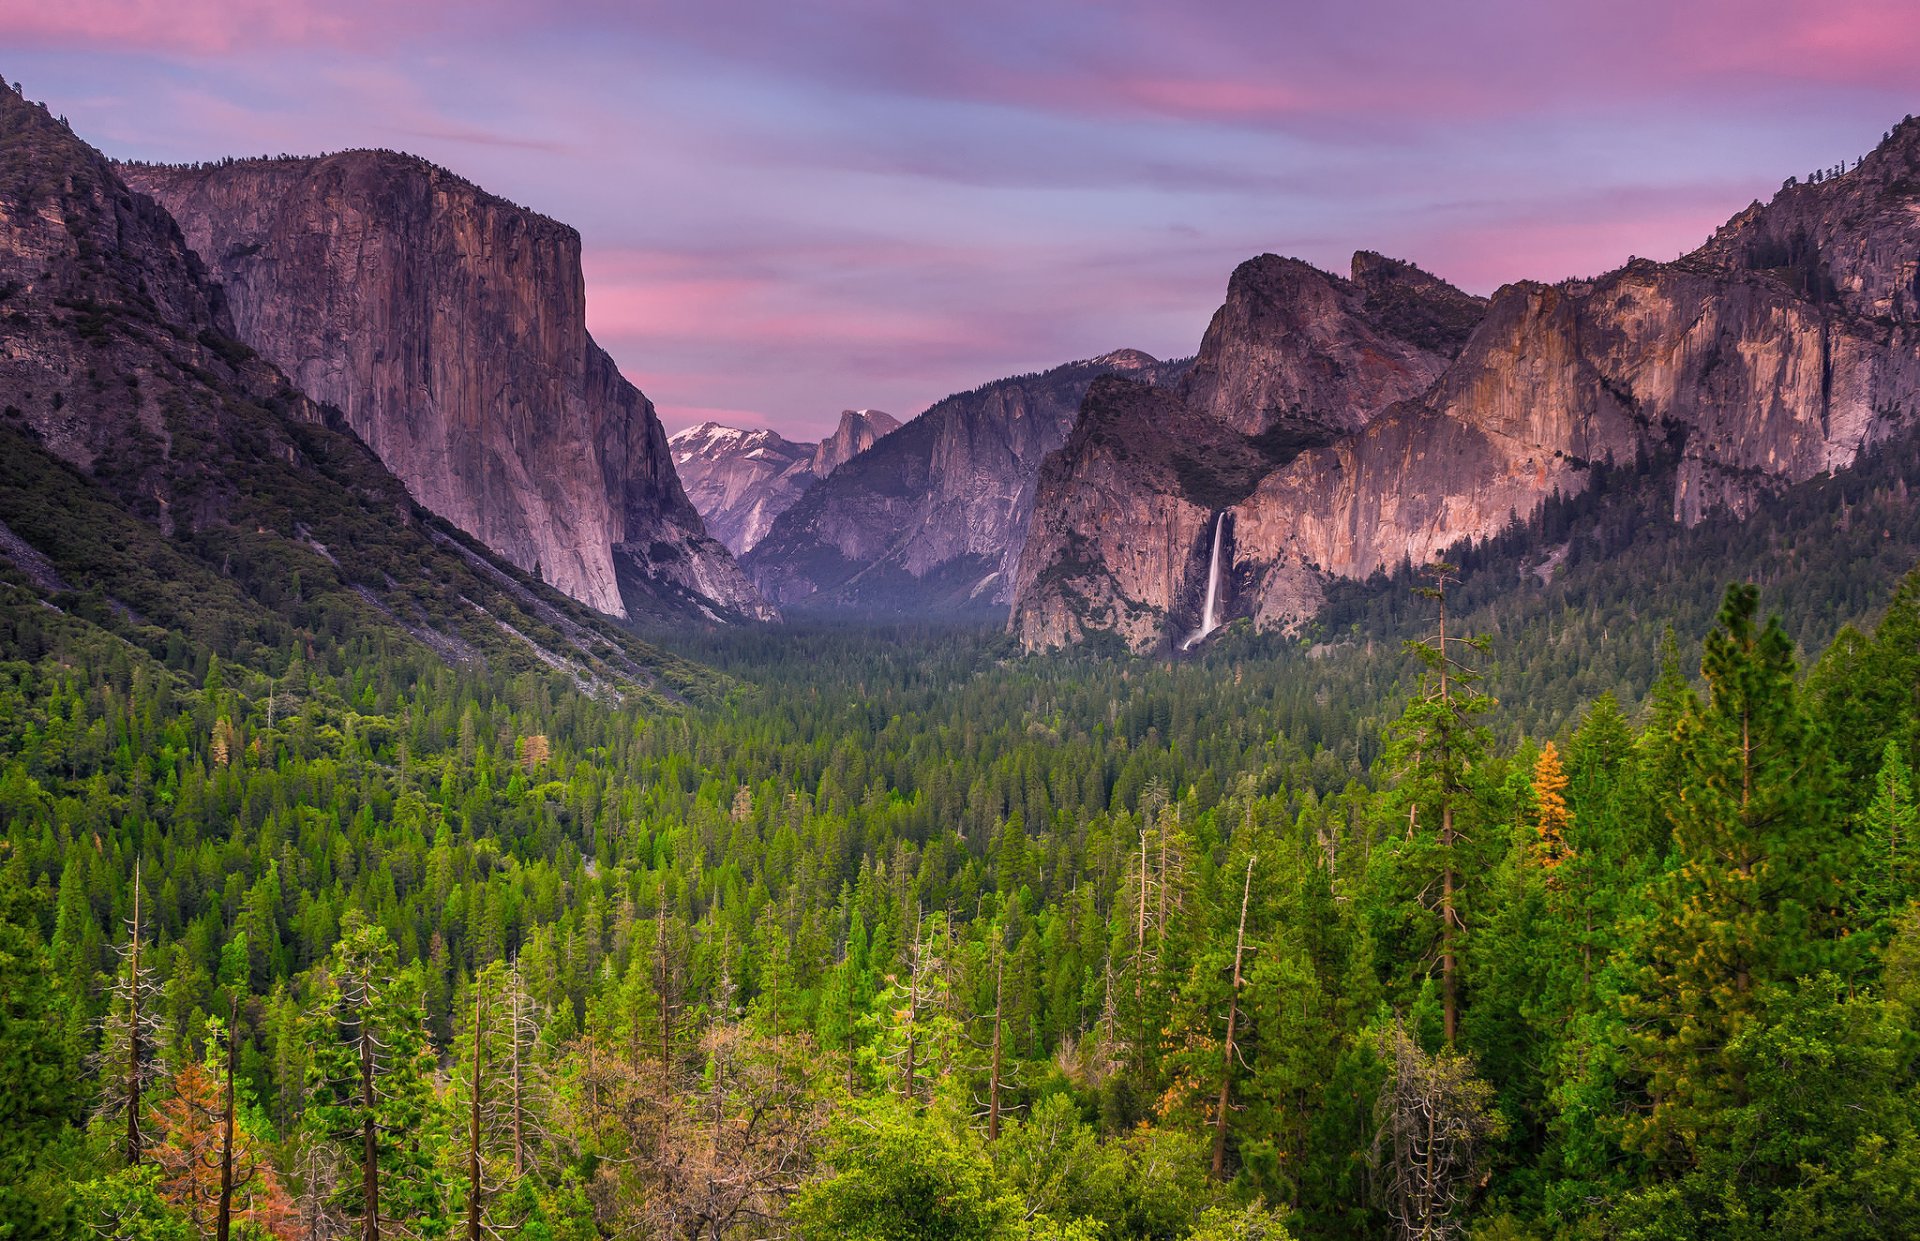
(932, 518)
(1786, 347)
(741, 480)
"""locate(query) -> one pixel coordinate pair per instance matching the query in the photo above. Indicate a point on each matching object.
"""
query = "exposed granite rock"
(740, 480)
(859, 430)
(1295, 348)
(150, 458)
(933, 517)
(1130, 503)
(1294, 357)
(449, 328)
(1852, 239)
(1784, 348)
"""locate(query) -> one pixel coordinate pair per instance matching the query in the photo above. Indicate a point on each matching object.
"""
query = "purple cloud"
(791, 208)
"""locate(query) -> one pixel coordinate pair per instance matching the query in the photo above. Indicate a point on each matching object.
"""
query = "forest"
(894, 932)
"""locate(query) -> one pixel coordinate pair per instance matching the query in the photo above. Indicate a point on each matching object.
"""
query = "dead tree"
(1229, 1051)
(1435, 1119)
(128, 1061)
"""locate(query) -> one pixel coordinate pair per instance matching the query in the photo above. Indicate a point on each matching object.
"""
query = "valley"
(1426, 765)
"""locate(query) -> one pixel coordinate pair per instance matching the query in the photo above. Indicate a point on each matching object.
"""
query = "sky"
(790, 207)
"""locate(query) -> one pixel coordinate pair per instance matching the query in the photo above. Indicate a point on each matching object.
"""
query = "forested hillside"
(897, 933)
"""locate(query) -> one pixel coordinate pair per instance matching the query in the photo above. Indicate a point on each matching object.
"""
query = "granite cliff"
(160, 478)
(932, 517)
(1784, 348)
(448, 326)
(859, 430)
(741, 480)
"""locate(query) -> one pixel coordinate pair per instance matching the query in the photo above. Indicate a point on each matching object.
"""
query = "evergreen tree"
(1437, 742)
(1889, 872)
(368, 1089)
(1752, 897)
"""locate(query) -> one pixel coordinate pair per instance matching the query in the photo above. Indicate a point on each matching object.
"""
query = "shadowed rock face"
(933, 517)
(449, 328)
(1296, 348)
(741, 480)
(111, 337)
(1785, 347)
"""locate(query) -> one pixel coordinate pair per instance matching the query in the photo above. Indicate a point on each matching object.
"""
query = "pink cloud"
(194, 27)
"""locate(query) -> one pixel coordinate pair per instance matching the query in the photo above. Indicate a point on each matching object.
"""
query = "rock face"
(1141, 461)
(1295, 348)
(150, 459)
(1785, 347)
(932, 518)
(1294, 358)
(741, 480)
(105, 316)
(859, 430)
(448, 326)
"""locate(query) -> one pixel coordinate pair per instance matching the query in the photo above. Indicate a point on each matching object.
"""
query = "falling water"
(1207, 622)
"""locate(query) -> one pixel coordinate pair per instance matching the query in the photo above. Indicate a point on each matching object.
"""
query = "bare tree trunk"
(1233, 1015)
(223, 1219)
(993, 1080)
(913, 1007)
(133, 1030)
(1140, 925)
(662, 983)
(519, 1116)
(473, 1114)
(1449, 984)
(369, 1146)
(1449, 987)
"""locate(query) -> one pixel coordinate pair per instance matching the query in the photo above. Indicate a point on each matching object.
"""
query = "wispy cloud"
(792, 208)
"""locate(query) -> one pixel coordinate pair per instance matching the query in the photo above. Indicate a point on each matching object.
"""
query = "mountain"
(859, 430)
(448, 326)
(1784, 348)
(1122, 533)
(161, 481)
(741, 480)
(1295, 347)
(933, 516)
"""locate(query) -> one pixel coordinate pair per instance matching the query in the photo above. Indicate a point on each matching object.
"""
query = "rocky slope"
(448, 326)
(741, 480)
(933, 516)
(158, 477)
(1782, 349)
(1294, 358)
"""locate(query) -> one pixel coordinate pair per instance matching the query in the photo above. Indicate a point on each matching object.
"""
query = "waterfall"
(1208, 623)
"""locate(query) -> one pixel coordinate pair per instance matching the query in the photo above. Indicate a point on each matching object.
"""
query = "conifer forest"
(894, 932)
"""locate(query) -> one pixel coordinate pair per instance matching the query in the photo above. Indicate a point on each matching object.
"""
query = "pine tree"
(1552, 823)
(1753, 896)
(1889, 872)
(368, 1089)
(40, 1084)
(1437, 743)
